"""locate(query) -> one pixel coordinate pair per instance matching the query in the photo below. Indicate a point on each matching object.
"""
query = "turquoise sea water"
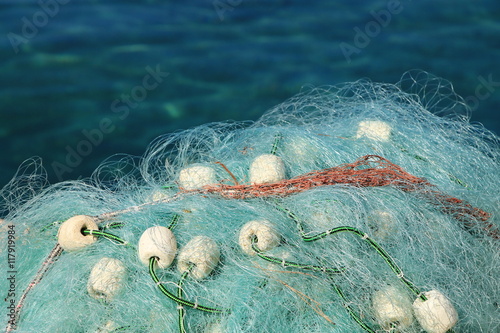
(119, 73)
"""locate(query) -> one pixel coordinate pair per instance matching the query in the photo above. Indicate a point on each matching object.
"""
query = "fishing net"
(363, 207)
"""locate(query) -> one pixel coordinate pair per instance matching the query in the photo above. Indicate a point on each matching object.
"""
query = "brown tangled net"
(368, 171)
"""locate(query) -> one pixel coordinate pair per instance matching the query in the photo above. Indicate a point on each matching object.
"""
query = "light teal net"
(337, 247)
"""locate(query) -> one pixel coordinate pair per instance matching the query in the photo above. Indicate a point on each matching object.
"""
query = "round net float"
(436, 314)
(196, 177)
(157, 242)
(383, 224)
(159, 195)
(262, 233)
(199, 256)
(392, 308)
(374, 130)
(214, 327)
(70, 235)
(108, 327)
(302, 148)
(267, 168)
(106, 278)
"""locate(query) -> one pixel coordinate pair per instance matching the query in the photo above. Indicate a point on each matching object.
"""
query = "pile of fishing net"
(359, 207)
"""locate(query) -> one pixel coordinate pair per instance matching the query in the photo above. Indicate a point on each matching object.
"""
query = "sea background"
(225, 59)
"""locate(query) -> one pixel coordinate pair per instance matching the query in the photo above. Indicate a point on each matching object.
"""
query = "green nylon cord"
(182, 312)
(352, 313)
(387, 258)
(113, 225)
(176, 299)
(315, 268)
(174, 221)
(50, 225)
(277, 139)
(286, 263)
(452, 177)
(127, 328)
(106, 226)
(106, 235)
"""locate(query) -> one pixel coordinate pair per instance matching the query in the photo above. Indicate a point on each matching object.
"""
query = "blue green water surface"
(73, 68)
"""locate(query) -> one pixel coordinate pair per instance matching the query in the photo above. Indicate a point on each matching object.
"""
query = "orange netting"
(368, 171)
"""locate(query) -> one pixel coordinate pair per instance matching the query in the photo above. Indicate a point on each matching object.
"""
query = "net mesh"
(388, 189)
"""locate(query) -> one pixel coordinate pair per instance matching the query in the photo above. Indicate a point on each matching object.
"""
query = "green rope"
(415, 156)
(452, 177)
(106, 235)
(126, 328)
(176, 299)
(352, 313)
(184, 275)
(113, 225)
(286, 263)
(458, 181)
(106, 226)
(387, 258)
(174, 221)
(58, 223)
(50, 225)
(121, 329)
(277, 139)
